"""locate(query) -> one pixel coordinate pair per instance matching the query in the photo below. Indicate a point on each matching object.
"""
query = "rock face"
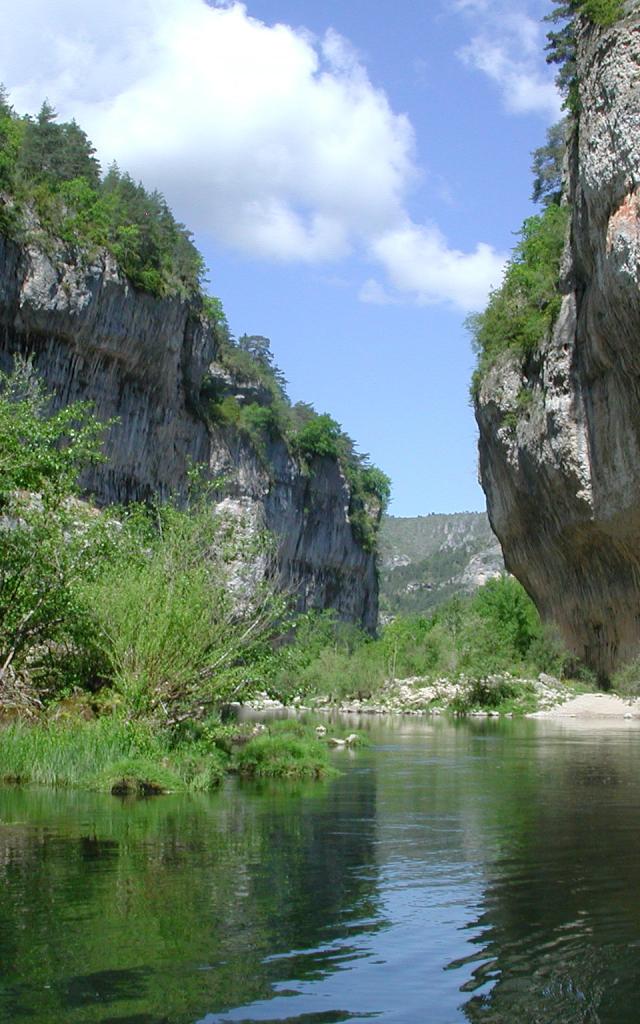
(141, 360)
(561, 470)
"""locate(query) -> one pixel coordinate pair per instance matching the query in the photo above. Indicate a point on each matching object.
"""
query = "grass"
(109, 754)
(112, 755)
(289, 750)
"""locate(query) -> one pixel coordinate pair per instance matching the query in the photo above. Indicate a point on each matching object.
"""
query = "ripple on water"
(484, 873)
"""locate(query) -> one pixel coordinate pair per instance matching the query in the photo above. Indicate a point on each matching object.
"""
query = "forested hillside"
(427, 559)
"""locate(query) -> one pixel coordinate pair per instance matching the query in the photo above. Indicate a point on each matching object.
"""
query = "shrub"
(522, 311)
(495, 692)
(283, 755)
(320, 436)
(173, 638)
(626, 681)
(49, 542)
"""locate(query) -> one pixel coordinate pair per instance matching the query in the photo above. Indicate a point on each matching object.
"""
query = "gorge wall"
(142, 362)
(561, 469)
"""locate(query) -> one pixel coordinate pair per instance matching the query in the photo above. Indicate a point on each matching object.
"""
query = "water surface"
(483, 872)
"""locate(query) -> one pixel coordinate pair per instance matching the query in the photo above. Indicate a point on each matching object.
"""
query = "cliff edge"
(143, 361)
(560, 428)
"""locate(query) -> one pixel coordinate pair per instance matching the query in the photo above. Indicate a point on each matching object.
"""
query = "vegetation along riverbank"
(130, 632)
(123, 647)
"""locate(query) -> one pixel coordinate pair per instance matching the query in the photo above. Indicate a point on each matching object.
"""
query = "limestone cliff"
(142, 361)
(560, 430)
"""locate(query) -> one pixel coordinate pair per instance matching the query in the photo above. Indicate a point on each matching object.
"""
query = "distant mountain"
(426, 559)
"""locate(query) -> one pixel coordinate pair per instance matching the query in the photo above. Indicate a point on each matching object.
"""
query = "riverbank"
(594, 706)
(499, 695)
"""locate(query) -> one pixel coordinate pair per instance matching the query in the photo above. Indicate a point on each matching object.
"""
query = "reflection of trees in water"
(171, 907)
(558, 937)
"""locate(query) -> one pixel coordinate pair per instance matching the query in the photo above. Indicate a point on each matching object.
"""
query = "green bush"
(522, 311)
(626, 681)
(495, 693)
(49, 542)
(601, 12)
(283, 754)
(319, 437)
(174, 641)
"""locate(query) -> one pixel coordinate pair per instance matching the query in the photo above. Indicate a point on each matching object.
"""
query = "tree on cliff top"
(561, 43)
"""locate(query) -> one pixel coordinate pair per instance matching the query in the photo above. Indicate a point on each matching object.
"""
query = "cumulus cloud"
(419, 261)
(273, 141)
(507, 48)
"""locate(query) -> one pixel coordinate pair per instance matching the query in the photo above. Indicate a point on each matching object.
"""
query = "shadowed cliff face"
(141, 360)
(563, 479)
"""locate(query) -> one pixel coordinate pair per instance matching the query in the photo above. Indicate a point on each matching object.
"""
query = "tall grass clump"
(109, 754)
(289, 750)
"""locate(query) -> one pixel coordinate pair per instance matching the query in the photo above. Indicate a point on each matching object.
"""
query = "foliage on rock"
(522, 311)
(49, 169)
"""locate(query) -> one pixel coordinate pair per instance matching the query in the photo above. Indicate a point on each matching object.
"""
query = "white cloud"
(509, 50)
(375, 294)
(273, 141)
(419, 261)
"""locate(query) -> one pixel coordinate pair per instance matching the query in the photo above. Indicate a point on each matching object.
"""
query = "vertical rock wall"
(562, 478)
(141, 361)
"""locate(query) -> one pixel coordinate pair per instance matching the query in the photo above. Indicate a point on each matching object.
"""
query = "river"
(481, 871)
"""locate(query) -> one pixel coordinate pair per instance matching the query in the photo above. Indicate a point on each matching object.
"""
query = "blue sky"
(352, 171)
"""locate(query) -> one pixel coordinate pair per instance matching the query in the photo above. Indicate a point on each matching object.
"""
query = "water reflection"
(176, 906)
(482, 871)
(558, 933)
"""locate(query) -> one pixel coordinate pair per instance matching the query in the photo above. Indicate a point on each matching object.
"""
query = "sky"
(352, 171)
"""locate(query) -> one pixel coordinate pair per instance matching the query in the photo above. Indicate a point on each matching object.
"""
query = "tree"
(76, 157)
(259, 348)
(547, 165)
(561, 43)
(48, 541)
(38, 155)
(319, 436)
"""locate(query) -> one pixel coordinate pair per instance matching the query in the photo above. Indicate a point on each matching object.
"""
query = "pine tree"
(546, 165)
(40, 144)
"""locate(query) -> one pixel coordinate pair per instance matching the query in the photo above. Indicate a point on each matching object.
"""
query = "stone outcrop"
(142, 361)
(560, 434)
